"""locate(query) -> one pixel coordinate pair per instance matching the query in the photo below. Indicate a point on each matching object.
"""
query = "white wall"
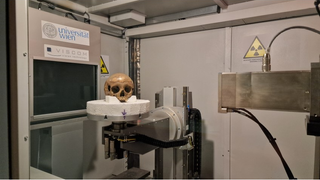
(251, 154)
(114, 48)
(195, 59)
(192, 60)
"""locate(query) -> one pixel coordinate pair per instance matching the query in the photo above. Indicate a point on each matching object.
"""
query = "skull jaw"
(122, 96)
(122, 100)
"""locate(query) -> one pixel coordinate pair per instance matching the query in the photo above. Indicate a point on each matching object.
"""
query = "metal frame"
(182, 159)
(4, 93)
(134, 65)
(19, 115)
(183, 15)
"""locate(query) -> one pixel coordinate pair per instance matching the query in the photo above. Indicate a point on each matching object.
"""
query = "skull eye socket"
(127, 89)
(115, 89)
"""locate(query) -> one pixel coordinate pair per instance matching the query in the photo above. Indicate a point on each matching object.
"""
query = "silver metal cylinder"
(112, 150)
(266, 62)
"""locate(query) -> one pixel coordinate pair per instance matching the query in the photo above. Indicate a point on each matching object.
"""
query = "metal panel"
(183, 15)
(41, 149)
(229, 90)
(151, 8)
(19, 102)
(66, 158)
(37, 43)
(67, 150)
(4, 123)
(87, 3)
(315, 89)
(287, 90)
(133, 173)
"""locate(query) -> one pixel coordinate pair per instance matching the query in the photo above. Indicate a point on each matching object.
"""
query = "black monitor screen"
(61, 86)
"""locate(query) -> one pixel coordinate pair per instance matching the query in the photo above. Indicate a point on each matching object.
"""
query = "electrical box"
(131, 18)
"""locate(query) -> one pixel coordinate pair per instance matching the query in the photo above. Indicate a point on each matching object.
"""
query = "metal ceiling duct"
(100, 21)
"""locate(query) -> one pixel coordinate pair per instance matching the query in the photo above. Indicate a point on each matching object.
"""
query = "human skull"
(119, 85)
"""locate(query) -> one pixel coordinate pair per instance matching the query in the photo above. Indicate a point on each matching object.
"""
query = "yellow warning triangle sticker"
(256, 49)
(104, 69)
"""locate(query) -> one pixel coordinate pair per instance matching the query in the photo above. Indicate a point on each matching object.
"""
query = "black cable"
(39, 6)
(159, 143)
(87, 20)
(316, 3)
(292, 27)
(51, 6)
(66, 15)
(271, 139)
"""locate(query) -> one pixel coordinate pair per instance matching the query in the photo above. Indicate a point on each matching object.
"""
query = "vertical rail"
(19, 88)
(158, 155)
(137, 59)
(186, 158)
(4, 93)
(134, 66)
(227, 124)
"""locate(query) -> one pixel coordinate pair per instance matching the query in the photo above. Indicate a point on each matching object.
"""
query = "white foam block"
(114, 100)
(112, 107)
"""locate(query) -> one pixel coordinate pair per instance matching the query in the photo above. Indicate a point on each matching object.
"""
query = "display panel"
(62, 86)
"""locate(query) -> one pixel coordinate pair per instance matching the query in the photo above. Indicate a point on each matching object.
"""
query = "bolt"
(25, 54)
(26, 138)
(307, 92)
(315, 115)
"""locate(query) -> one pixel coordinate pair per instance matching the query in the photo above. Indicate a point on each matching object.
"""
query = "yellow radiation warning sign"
(104, 69)
(256, 49)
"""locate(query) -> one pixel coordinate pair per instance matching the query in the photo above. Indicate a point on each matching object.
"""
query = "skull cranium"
(120, 86)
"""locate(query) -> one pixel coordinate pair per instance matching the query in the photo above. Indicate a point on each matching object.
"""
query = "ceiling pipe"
(221, 3)
(96, 20)
(68, 5)
(109, 5)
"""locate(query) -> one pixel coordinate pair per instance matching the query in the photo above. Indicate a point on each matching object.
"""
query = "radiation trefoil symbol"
(256, 49)
(104, 69)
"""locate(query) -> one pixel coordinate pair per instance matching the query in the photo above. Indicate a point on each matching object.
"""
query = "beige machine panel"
(62, 32)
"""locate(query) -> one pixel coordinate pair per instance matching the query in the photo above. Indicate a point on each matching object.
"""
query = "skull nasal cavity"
(115, 89)
(122, 93)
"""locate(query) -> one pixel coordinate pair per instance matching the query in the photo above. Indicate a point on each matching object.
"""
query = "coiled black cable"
(271, 139)
(162, 144)
(292, 27)
(316, 3)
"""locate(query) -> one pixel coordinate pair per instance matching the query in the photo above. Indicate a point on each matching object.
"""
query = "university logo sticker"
(256, 49)
(104, 69)
(49, 30)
